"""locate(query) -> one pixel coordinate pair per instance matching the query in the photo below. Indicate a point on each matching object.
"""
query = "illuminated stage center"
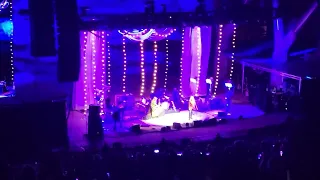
(177, 117)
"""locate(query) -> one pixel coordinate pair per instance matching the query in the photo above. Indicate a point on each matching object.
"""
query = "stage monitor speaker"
(135, 128)
(197, 124)
(176, 126)
(68, 22)
(95, 129)
(42, 32)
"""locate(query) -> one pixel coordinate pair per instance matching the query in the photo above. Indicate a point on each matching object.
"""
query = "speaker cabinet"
(68, 22)
(177, 126)
(42, 28)
(95, 129)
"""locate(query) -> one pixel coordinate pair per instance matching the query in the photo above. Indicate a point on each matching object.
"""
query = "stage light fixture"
(124, 64)
(228, 85)
(218, 60)
(142, 68)
(198, 29)
(11, 45)
(85, 62)
(103, 69)
(167, 64)
(233, 47)
(155, 67)
(181, 61)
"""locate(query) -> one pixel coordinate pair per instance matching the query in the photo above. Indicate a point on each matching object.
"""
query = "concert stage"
(151, 129)
(182, 117)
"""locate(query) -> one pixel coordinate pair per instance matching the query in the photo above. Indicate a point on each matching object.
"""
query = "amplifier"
(128, 98)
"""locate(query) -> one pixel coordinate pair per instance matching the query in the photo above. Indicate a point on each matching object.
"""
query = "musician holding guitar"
(192, 106)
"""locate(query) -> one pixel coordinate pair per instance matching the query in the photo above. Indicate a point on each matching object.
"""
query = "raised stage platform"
(253, 119)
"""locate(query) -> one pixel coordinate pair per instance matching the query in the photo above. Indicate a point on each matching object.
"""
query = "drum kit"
(99, 94)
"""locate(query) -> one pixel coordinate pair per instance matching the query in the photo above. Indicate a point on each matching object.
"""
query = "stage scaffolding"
(270, 70)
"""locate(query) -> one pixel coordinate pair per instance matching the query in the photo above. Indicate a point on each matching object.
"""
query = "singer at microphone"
(192, 106)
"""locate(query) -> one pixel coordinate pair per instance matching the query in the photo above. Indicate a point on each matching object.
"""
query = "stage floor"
(253, 118)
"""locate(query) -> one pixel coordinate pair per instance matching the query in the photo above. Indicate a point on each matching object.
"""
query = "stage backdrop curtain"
(93, 60)
(186, 62)
(196, 53)
(200, 48)
(205, 55)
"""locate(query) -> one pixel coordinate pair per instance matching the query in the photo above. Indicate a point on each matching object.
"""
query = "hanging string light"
(218, 60)
(155, 67)
(167, 64)
(142, 68)
(124, 64)
(181, 61)
(234, 47)
(109, 63)
(103, 70)
(93, 62)
(85, 62)
(5, 3)
(198, 58)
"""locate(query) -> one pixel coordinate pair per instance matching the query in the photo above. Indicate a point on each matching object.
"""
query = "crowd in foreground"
(252, 157)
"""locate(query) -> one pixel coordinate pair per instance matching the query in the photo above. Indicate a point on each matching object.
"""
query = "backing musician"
(118, 114)
(154, 106)
(192, 106)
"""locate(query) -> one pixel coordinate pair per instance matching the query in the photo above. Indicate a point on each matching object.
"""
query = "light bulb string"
(124, 64)
(85, 42)
(155, 67)
(181, 61)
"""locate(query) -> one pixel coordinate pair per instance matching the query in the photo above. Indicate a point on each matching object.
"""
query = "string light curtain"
(92, 71)
(155, 67)
(196, 60)
(124, 76)
(185, 62)
(167, 64)
(233, 50)
(11, 45)
(200, 49)
(198, 56)
(142, 68)
(216, 83)
(205, 55)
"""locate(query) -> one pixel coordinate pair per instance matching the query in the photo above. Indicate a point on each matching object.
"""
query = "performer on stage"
(118, 114)
(192, 106)
(154, 107)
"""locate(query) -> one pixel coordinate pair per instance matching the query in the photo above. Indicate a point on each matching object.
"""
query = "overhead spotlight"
(228, 84)
(208, 81)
